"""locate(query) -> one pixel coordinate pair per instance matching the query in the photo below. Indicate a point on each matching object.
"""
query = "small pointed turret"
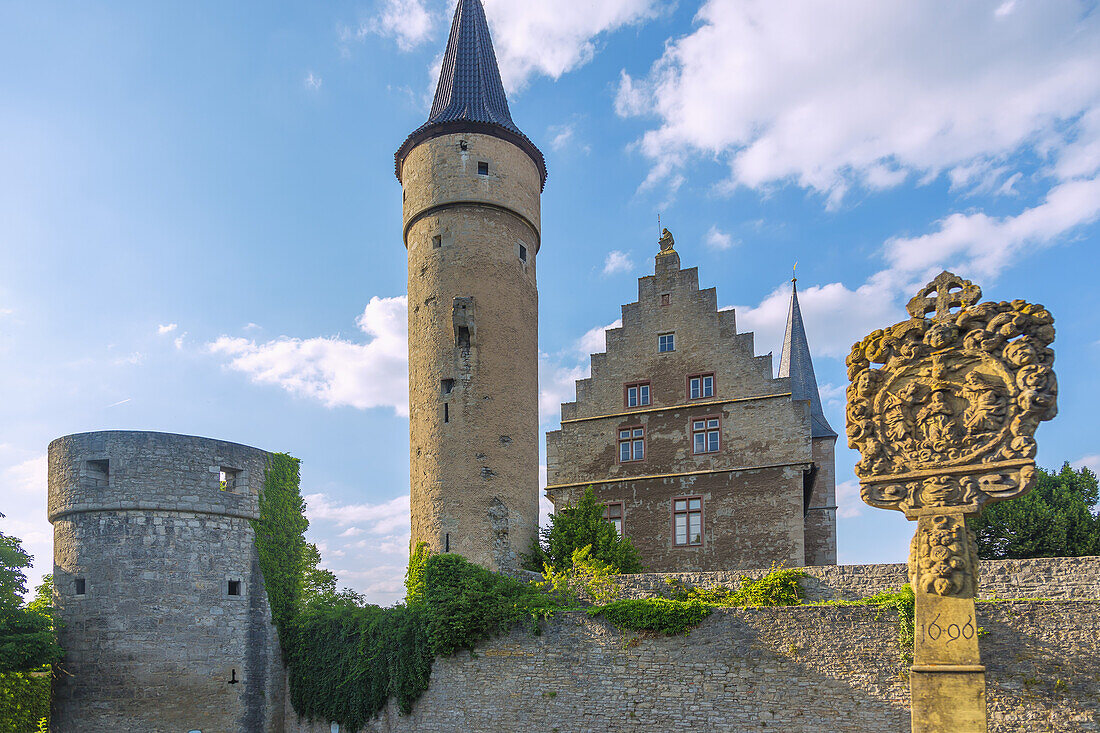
(470, 95)
(796, 364)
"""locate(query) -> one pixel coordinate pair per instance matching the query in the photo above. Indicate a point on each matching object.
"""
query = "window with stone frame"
(97, 474)
(613, 512)
(666, 342)
(706, 435)
(631, 444)
(700, 386)
(687, 521)
(636, 394)
(229, 479)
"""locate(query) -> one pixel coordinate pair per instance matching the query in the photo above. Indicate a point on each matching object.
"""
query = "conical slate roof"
(796, 364)
(470, 96)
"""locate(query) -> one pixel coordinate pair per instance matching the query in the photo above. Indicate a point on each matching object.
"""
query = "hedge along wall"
(801, 669)
(1073, 578)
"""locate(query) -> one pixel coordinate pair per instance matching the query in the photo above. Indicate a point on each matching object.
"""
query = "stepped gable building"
(472, 184)
(702, 458)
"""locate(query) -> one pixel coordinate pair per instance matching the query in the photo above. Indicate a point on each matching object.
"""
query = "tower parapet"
(472, 226)
(164, 619)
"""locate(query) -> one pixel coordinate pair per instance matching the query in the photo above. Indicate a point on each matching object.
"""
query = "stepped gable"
(699, 325)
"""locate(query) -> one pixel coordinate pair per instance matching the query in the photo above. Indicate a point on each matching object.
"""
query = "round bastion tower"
(165, 624)
(471, 185)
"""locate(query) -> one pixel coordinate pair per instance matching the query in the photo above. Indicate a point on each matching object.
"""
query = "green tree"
(576, 527)
(27, 640)
(1056, 519)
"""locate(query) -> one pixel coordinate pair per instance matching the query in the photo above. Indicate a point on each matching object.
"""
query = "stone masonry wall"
(472, 244)
(752, 485)
(798, 670)
(1054, 577)
(156, 641)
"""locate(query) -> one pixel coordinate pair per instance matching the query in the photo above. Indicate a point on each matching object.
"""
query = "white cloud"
(848, 503)
(332, 370)
(313, 82)
(166, 328)
(559, 372)
(617, 261)
(179, 341)
(409, 22)
(873, 92)
(718, 240)
(1091, 462)
(135, 359)
(552, 37)
(976, 245)
(594, 340)
(547, 37)
(982, 245)
(378, 519)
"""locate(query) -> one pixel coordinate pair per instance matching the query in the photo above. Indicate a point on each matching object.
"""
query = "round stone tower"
(165, 622)
(472, 184)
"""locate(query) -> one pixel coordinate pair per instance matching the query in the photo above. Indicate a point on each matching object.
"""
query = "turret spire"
(470, 95)
(796, 364)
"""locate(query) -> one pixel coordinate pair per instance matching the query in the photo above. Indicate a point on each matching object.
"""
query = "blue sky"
(200, 225)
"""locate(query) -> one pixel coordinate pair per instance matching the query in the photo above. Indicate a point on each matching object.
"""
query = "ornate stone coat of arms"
(945, 425)
(949, 419)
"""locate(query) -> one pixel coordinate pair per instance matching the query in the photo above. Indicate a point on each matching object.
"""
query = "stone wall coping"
(185, 436)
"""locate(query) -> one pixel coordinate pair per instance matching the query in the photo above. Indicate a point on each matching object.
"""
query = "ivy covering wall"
(347, 658)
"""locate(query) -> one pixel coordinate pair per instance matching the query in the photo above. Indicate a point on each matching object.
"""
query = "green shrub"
(780, 587)
(24, 701)
(904, 603)
(586, 575)
(655, 614)
(575, 527)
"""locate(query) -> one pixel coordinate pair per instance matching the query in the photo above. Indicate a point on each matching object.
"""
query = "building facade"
(164, 619)
(702, 458)
(472, 184)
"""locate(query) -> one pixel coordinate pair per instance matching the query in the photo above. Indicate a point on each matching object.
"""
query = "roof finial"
(794, 272)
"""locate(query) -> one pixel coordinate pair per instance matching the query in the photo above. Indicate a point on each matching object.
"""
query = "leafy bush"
(780, 587)
(655, 614)
(585, 576)
(466, 603)
(580, 526)
(24, 701)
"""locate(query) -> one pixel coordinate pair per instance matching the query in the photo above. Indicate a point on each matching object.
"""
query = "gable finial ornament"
(945, 424)
(666, 241)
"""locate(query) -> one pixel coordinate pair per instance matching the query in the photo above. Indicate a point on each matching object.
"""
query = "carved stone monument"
(943, 427)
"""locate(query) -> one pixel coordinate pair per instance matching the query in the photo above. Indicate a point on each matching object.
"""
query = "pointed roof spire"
(470, 96)
(796, 364)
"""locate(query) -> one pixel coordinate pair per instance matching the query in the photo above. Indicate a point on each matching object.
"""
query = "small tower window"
(97, 473)
(446, 386)
(482, 168)
(666, 342)
(437, 241)
(234, 588)
(229, 479)
(666, 298)
(80, 586)
(523, 253)
(446, 412)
